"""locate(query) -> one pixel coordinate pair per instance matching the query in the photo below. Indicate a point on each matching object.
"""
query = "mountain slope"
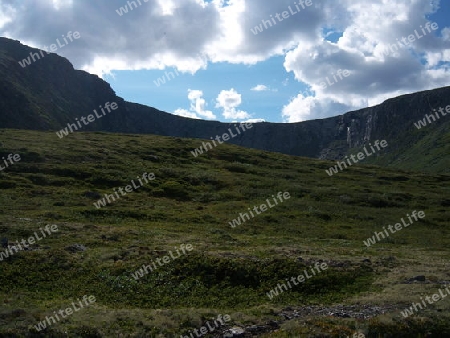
(49, 93)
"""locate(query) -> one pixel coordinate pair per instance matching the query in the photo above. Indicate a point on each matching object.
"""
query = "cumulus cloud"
(186, 113)
(446, 34)
(155, 35)
(378, 70)
(302, 108)
(197, 107)
(198, 104)
(190, 34)
(229, 100)
(7, 12)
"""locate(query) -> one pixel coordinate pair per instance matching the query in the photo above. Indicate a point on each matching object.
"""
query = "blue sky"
(224, 71)
(139, 86)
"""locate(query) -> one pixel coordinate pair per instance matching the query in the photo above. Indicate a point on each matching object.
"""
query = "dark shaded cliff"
(49, 93)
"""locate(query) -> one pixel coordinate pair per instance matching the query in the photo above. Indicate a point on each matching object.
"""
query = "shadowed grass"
(192, 200)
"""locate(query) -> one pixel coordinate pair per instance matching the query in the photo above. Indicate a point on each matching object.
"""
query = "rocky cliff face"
(49, 93)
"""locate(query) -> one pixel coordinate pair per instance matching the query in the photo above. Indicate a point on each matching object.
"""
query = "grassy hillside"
(230, 270)
(424, 150)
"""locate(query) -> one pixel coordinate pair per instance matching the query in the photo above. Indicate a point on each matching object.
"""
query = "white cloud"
(7, 12)
(198, 104)
(254, 121)
(302, 108)
(197, 107)
(446, 34)
(375, 76)
(229, 100)
(57, 4)
(260, 88)
(185, 113)
(189, 34)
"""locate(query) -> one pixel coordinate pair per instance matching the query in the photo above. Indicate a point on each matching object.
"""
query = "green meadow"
(230, 270)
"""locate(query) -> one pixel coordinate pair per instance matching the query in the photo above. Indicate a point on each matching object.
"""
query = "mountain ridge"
(50, 93)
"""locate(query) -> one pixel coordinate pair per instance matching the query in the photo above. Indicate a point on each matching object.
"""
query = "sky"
(280, 61)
